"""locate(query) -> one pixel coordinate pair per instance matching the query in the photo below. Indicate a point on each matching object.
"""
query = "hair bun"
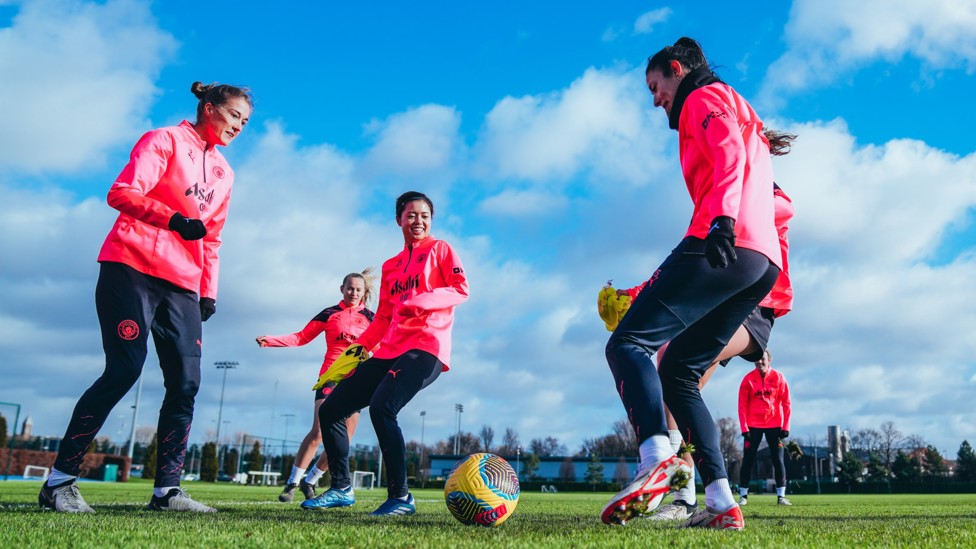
(200, 89)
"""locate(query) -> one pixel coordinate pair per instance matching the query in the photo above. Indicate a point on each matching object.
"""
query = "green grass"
(252, 517)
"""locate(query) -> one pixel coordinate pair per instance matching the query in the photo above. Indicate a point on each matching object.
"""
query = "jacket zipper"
(409, 256)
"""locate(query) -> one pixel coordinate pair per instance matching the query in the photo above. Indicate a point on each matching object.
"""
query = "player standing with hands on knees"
(158, 273)
(764, 410)
(726, 264)
(341, 324)
(419, 288)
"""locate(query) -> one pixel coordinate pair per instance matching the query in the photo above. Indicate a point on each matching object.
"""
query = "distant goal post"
(36, 471)
(363, 479)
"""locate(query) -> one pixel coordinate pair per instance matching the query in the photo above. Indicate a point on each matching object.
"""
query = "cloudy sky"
(531, 128)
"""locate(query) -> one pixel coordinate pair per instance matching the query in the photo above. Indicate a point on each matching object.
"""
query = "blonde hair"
(369, 282)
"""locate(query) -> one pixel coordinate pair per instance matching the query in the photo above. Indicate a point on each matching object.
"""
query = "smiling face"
(352, 291)
(664, 87)
(415, 221)
(763, 364)
(221, 124)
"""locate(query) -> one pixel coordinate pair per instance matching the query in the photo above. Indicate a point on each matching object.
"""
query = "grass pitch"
(252, 517)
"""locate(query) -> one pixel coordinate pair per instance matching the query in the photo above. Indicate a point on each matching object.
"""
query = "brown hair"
(686, 51)
(369, 282)
(218, 94)
(780, 143)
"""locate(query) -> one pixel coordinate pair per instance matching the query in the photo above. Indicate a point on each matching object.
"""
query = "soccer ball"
(482, 489)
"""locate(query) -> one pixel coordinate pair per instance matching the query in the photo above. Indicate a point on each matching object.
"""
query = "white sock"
(675, 436)
(688, 493)
(296, 474)
(162, 491)
(743, 491)
(57, 477)
(314, 474)
(655, 450)
(781, 491)
(718, 495)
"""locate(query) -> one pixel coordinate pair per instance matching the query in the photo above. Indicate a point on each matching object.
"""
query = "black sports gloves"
(188, 229)
(208, 307)
(720, 242)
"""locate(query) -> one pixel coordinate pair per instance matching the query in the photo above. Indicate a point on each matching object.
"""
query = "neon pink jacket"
(727, 168)
(419, 289)
(341, 324)
(780, 298)
(170, 170)
(764, 402)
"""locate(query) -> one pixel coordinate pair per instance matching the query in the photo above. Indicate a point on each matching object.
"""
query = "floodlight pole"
(135, 413)
(457, 438)
(423, 420)
(222, 365)
(285, 440)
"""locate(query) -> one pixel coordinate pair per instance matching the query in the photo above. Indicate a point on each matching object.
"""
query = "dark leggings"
(130, 305)
(386, 386)
(696, 308)
(751, 446)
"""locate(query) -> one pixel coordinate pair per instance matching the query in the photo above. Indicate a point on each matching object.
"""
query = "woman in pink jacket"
(419, 288)
(726, 264)
(158, 274)
(341, 324)
(764, 410)
(749, 341)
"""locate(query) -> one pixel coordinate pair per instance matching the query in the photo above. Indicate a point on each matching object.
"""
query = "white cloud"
(417, 145)
(78, 79)
(645, 23)
(600, 125)
(829, 38)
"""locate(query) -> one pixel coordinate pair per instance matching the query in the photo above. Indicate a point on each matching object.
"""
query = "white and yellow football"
(482, 489)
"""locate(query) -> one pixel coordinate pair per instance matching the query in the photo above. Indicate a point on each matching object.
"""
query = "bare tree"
(621, 442)
(865, 440)
(567, 469)
(510, 443)
(891, 439)
(729, 439)
(487, 435)
(548, 446)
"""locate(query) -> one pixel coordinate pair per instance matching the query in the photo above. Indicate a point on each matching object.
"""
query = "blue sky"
(531, 128)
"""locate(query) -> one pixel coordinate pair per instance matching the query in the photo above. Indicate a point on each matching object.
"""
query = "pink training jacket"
(419, 289)
(727, 168)
(341, 324)
(780, 298)
(170, 170)
(764, 402)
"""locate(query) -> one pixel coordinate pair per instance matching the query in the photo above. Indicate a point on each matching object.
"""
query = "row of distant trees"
(873, 455)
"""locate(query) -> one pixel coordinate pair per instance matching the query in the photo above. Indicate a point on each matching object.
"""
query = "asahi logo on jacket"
(205, 197)
(400, 286)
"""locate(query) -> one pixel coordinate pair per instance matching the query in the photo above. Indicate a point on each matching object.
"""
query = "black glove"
(720, 242)
(188, 229)
(784, 434)
(208, 307)
(745, 435)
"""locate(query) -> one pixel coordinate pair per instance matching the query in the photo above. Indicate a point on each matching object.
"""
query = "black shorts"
(759, 324)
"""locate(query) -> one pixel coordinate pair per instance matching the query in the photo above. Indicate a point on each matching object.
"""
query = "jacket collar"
(695, 79)
(194, 136)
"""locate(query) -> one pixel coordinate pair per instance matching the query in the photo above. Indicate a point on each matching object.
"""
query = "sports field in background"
(252, 517)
